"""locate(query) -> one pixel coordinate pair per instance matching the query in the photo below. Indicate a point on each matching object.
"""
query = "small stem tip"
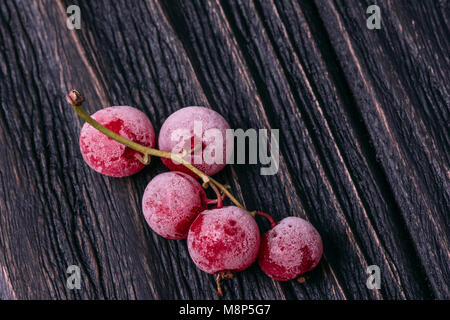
(74, 98)
(301, 279)
(145, 160)
(219, 287)
(220, 276)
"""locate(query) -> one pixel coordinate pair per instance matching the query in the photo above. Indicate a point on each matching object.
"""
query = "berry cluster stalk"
(76, 99)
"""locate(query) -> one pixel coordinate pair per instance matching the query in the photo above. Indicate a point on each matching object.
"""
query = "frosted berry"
(177, 134)
(290, 249)
(225, 239)
(109, 157)
(171, 202)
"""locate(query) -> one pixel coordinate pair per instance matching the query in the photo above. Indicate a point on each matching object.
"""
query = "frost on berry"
(225, 239)
(171, 202)
(290, 249)
(107, 156)
(177, 132)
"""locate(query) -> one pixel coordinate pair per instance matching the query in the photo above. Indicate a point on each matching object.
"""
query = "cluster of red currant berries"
(118, 141)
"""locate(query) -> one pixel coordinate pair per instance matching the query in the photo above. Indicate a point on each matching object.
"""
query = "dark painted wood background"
(364, 141)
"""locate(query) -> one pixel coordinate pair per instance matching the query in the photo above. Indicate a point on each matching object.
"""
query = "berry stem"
(145, 160)
(221, 276)
(216, 201)
(219, 196)
(219, 286)
(76, 99)
(267, 216)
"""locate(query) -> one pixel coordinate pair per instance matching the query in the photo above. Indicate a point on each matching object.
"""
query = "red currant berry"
(225, 239)
(109, 157)
(290, 249)
(171, 202)
(178, 134)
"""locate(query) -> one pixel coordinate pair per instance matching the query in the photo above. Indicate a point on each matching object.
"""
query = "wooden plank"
(6, 290)
(60, 222)
(401, 89)
(339, 139)
(364, 149)
(162, 63)
(271, 90)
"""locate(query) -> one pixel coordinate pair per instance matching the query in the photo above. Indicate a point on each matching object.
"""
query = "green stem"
(150, 151)
(229, 195)
(136, 146)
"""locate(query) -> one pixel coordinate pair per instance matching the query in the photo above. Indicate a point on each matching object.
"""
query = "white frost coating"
(171, 201)
(183, 120)
(287, 238)
(105, 155)
(223, 240)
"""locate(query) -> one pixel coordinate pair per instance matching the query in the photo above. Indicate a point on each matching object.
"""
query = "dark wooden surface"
(364, 141)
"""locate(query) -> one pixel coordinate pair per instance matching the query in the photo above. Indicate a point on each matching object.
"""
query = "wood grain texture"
(364, 141)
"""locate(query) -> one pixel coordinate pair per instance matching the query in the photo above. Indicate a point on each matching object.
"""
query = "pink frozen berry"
(109, 157)
(290, 249)
(225, 239)
(196, 128)
(171, 202)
